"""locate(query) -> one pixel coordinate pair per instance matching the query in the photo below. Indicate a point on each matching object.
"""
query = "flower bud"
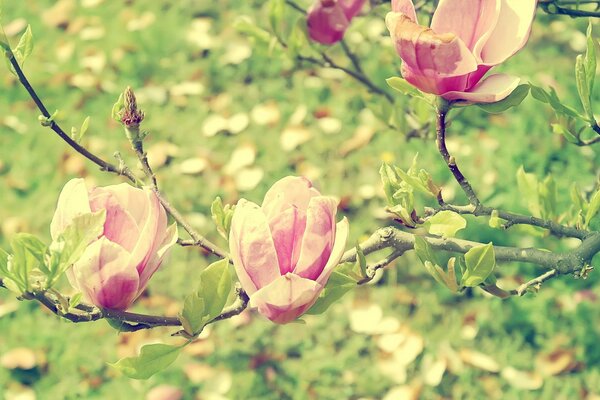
(328, 20)
(285, 250)
(115, 269)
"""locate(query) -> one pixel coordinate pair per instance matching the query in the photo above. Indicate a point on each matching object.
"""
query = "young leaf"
(338, 285)
(593, 207)
(583, 87)
(210, 299)
(402, 86)
(590, 58)
(424, 251)
(72, 242)
(445, 223)
(193, 314)
(480, 262)
(215, 285)
(25, 46)
(221, 216)
(361, 260)
(528, 187)
(514, 99)
(84, 128)
(28, 254)
(153, 358)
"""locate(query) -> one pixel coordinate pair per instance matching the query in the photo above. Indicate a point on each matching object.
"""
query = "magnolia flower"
(466, 39)
(328, 19)
(285, 250)
(114, 269)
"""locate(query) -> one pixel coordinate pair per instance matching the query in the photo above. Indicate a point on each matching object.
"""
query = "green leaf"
(548, 198)
(221, 216)
(153, 358)
(25, 46)
(480, 262)
(75, 300)
(528, 187)
(210, 299)
(402, 86)
(390, 182)
(361, 260)
(72, 242)
(514, 99)
(424, 251)
(593, 208)
(28, 254)
(560, 129)
(215, 286)
(552, 99)
(445, 223)
(495, 221)
(590, 58)
(583, 87)
(84, 128)
(117, 108)
(338, 285)
(276, 11)
(243, 24)
(192, 316)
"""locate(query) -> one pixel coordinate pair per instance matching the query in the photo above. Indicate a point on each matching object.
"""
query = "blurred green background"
(228, 116)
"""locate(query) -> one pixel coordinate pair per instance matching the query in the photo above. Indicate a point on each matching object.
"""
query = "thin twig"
(384, 262)
(450, 160)
(104, 165)
(198, 239)
(535, 283)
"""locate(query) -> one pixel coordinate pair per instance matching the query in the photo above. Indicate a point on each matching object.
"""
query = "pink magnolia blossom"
(328, 19)
(285, 250)
(114, 269)
(466, 39)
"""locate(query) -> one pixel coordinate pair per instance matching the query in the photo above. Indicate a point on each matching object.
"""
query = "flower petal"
(152, 230)
(119, 227)
(105, 276)
(405, 7)
(287, 192)
(72, 201)
(471, 20)
(158, 255)
(251, 247)
(352, 7)
(131, 199)
(511, 32)
(427, 52)
(492, 89)
(287, 229)
(342, 230)
(317, 241)
(286, 298)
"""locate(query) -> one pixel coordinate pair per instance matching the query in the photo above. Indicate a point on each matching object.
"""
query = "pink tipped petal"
(286, 192)
(131, 199)
(158, 255)
(252, 248)
(287, 229)
(470, 20)
(286, 298)
(151, 228)
(342, 231)
(317, 241)
(511, 31)
(427, 52)
(405, 7)
(352, 7)
(120, 227)
(72, 202)
(492, 89)
(105, 277)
